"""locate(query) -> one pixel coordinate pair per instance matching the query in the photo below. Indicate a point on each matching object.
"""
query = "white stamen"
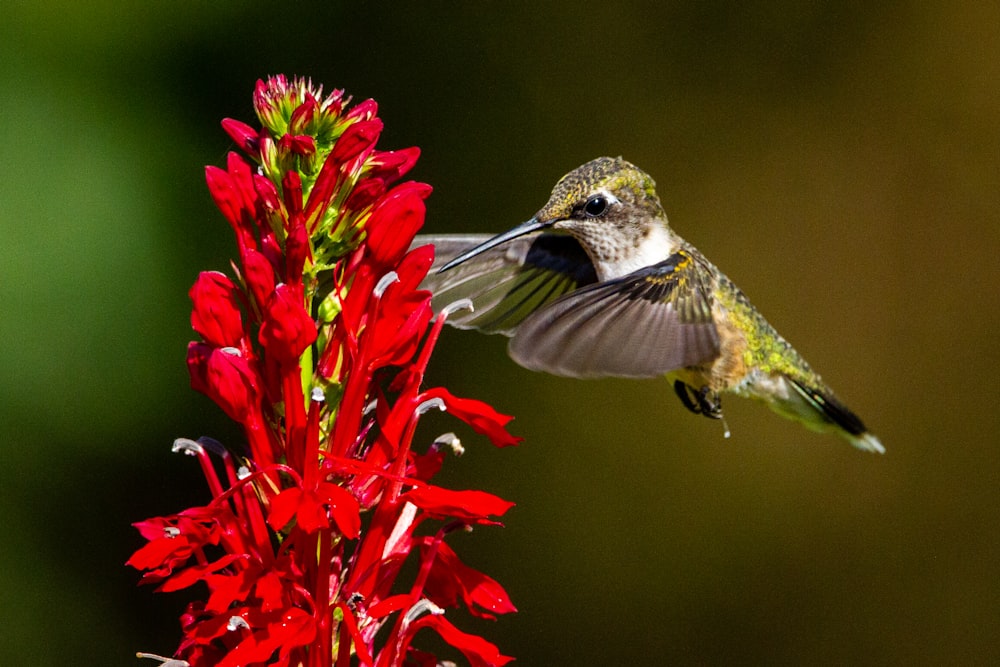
(242, 472)
(237, 622)
(383, 284)
(430, 404)
(171, 531)
(423, 606)
(165, 662)
(455, 306)
(187, 446)
(451, 441)
(317, 395)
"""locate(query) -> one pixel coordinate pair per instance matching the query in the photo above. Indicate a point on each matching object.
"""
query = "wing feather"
(506, 283)
(645, 324)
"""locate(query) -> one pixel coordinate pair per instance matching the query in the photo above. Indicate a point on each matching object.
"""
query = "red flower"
(318, 349)
(225, 376)
(395, 219)
(479, 652)
(287, 330)
(471, 506)
(313, 507)
(451, 580)
(481, 417)
(216, 315)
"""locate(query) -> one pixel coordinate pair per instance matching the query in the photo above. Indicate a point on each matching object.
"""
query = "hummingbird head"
(610, 206)
(609, 190)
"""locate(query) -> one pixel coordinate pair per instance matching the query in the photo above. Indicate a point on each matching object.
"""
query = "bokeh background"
(839, 160)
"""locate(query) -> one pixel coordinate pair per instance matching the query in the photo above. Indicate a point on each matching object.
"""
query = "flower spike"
(316, 346)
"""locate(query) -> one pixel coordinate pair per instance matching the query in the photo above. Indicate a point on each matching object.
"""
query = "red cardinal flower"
(317, 347)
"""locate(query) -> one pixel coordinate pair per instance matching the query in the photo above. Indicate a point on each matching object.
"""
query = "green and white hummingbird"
(598, 284)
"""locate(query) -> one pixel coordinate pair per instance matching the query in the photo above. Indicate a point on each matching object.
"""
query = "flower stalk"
(318, 347)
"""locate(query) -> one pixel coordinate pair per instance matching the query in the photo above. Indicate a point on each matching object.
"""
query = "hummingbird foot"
(702, 401)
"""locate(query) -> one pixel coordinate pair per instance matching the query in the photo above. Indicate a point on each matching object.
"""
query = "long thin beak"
(532, 225)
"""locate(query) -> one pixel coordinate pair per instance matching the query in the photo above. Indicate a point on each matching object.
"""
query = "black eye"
(596, 206)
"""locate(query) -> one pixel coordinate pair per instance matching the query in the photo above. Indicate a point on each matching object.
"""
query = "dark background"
(839, 160)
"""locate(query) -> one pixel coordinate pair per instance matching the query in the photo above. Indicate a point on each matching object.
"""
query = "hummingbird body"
(598, 284)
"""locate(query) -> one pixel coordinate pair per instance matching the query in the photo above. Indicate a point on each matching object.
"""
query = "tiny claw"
(710, 403)
(684, 393)
(702, 401)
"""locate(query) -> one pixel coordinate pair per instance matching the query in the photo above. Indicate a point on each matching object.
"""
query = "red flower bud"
(244, 135)
(216, 314)
(358, 137)
(394, 222)
(287, 329)
(390, 165)
(363, 111)
(259, 276)
(303, 115)
(225, 377)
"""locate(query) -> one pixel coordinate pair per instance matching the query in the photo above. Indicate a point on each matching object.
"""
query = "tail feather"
(849, 424)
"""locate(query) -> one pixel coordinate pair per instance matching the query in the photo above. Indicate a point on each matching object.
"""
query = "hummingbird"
(598, 284)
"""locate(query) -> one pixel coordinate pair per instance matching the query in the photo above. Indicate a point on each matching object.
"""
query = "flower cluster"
(318, 346)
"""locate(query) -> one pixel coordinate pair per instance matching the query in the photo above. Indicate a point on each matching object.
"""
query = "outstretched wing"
(648, 323)
(507, 283)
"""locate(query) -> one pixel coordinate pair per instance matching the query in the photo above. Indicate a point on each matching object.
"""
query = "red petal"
(344, 508)
(480, 592)
(311, 515)
(270, 590)
(295, 628)
(480, 416)
(283, 507)
(478, 651)
(473, 505)
(196, 573)
(163, 551)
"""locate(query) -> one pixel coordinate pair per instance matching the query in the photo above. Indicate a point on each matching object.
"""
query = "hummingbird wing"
(645, 324)
(506, 283)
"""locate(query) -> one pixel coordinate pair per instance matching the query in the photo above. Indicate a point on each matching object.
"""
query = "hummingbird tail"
(867, 442)
(846, 423)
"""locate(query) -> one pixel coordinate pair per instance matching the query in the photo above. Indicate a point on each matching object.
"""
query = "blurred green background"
(839, 160)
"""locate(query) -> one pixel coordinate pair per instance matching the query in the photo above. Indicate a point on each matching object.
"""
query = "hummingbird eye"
(596, 206)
